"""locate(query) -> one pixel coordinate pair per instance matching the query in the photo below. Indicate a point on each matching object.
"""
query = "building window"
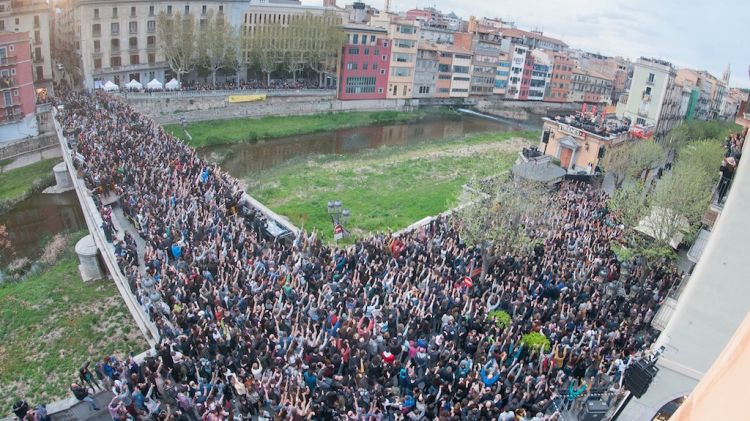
(355, 39)
(133, 43)
(203, 10)
(151, 26)
(115, 44)
(134, 59)
(375, 66)
(115, 62)
(372, 39)
(115, 28)
(424, 89)
(351, 66)
(97, 46)
(367, 51)
(364, 66)
(360, 85)
(169, 9)
(187, 9)
(651, 77)
(133, 27)
(400, 71)
(403, 29)
(385, 44)
(353, 51)
(221, 9)
(132, 11)
(96, 30)
(151, 10)
(151, 41)
(382, 71)
(114, 12)
(97, 63)
(151, 58)
(96, 13)
(380, 90)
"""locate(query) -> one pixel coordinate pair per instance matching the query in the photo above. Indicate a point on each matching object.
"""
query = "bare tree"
(502, 217)
(177, 40)
(218, 43)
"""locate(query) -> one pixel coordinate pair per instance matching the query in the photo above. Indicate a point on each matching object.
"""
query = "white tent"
(663, 222)
(154, 84)
(172, 85)
(134, 85)
(110, 86)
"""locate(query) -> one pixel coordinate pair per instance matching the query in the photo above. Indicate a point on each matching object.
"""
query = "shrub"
(501, 318)
(534, 341)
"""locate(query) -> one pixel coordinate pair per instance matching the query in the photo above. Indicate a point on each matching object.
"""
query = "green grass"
(53, 322)
(18, 184)
(218, 132)
(387, 188)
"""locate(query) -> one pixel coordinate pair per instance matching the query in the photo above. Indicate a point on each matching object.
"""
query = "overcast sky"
(705, 35)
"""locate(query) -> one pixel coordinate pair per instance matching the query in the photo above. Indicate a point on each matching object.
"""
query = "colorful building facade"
(365, 63)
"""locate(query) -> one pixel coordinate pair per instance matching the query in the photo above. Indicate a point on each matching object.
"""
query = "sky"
(703, 35)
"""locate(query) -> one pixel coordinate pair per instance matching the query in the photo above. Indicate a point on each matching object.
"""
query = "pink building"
(17, 95)
(365, 62)
(528, 67)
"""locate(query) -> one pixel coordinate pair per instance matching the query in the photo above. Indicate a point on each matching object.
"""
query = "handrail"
(226, 92)
(93, 222)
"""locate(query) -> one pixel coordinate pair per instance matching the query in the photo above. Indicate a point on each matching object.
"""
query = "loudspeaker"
(545, 137)
(593, 410)
(638, 377)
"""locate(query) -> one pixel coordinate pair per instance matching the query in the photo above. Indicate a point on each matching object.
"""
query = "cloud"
(689, 33)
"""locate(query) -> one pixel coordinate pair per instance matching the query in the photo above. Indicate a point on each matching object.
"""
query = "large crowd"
(193, 85)
(385, 329)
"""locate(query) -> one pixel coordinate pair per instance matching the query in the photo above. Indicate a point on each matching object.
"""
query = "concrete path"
(32, 157)
(123, 225)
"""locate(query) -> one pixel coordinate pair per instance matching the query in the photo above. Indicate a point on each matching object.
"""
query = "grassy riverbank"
(51, 323)
(218, 132)
(18, 184)
(387, 188)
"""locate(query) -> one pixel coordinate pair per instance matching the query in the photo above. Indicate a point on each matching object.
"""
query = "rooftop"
(594, 125)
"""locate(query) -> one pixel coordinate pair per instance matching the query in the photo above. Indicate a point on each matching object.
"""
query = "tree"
(501, 217)
(177, 41)
(691, 131)
(705, 154)
(218, 43)
(617, 162)
(265, 47)
(643, 157)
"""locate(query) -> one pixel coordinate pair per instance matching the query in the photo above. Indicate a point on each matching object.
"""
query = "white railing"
(94, 223)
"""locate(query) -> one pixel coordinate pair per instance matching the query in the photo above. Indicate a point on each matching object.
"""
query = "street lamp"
(339, 217)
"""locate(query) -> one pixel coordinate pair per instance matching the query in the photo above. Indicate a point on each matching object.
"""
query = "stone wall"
(170, 110)
(20, 147)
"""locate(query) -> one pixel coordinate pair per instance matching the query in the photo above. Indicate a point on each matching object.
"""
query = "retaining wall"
(19, 147)
(167, 110)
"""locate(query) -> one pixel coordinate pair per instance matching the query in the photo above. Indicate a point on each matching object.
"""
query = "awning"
(569, 142)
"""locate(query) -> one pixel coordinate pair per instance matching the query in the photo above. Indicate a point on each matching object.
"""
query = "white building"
(653, 99)
(517, 64)
(461, 78)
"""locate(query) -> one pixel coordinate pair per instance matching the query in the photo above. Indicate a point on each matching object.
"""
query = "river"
(37, 219)
(41, 216)
(244, 159)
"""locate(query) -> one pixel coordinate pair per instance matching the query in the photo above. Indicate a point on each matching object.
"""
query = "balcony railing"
(38, 58)
(7, 82)
(721, 191)
(151, 30)
(7, 61)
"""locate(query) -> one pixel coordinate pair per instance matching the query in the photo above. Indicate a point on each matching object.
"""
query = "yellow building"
(404, 35)
(579, 144)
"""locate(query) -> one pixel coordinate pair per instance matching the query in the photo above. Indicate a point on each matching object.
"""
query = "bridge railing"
(94, 223)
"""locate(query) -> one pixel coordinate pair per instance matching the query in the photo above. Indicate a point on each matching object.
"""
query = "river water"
(41, 216)
(244, 159)
(36, 219)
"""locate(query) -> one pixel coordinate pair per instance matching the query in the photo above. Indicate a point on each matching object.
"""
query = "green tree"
(704, 154)
(218, 43)
(617, 162)
(691, 131)
(501, 216)
(643, 157)
(177, 41)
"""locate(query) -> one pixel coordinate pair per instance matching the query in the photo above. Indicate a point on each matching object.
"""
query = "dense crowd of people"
(386, 329)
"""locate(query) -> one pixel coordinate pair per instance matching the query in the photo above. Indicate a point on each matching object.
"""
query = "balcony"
(151, 30)
(38, 58)
(7, 61)
(649, 82)
(115, 50)
(37, 41)
(151, 47)
(7, 83)
(133, 48)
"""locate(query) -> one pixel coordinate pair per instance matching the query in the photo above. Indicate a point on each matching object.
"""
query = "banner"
(234, 99)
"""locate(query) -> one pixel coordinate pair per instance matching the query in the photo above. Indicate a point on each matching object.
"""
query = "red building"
(17, 95)
(528, 68)
(365, 63)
